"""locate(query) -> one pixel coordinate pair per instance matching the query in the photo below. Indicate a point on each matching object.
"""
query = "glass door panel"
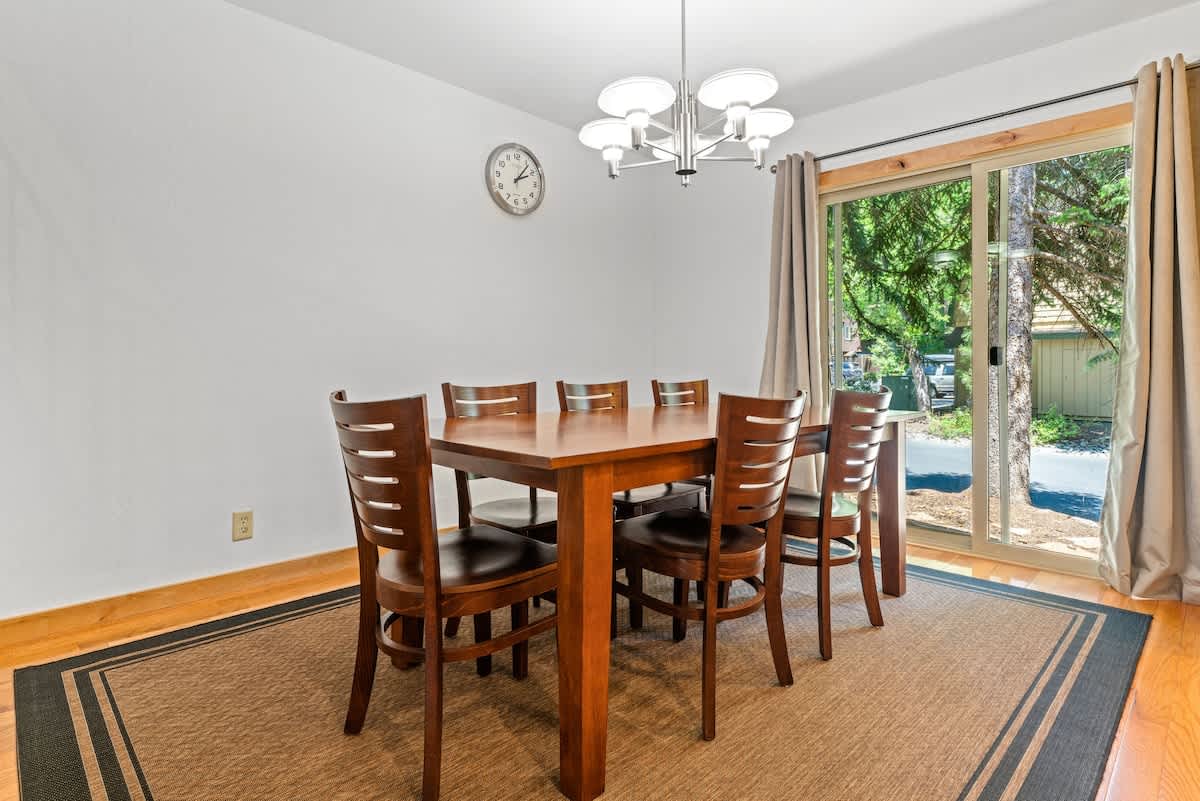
(1055, 266)
(900, 291)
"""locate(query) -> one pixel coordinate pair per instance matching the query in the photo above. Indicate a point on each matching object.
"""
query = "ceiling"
(552, 57)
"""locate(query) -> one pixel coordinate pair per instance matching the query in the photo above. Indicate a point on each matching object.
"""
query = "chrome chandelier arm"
(703, 150)
(662, 150)
(662, 126)
(715, 121)
(643, 164)
(725, 158)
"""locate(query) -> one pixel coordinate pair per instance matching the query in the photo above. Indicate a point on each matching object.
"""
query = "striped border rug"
(972, 690)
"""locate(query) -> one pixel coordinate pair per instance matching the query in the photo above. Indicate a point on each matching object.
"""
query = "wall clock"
(514, 179)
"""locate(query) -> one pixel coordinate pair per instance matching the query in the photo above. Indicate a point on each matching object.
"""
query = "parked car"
(939, 369)
(851, 371)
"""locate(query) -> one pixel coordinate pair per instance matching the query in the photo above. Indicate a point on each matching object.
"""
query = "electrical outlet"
(243, 524)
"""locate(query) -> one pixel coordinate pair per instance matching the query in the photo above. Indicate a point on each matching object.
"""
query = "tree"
(906, 276)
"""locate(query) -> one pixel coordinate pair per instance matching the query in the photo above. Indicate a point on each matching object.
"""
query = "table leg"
(893, 514)
(584, 599)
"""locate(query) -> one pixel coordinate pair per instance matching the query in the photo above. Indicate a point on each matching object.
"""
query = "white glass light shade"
(766, 122)
(650, 95)
(612, 153)
(607, 132)
(745, 85)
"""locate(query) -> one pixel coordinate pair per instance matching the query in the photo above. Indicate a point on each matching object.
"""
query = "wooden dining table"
(585, 457)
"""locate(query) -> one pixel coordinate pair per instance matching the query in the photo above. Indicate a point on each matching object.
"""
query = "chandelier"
(632, 104)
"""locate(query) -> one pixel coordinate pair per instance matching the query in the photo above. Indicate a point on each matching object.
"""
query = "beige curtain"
(798, 323)
(1150, 527)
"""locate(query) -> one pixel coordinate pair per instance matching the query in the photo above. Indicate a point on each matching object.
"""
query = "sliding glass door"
(1052, 281)
(990, 296)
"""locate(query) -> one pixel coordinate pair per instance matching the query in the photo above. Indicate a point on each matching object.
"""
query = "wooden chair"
(843, 507)
(418, 577)
(679, 393)
(756, 441)
(533, 516)
(642, 500)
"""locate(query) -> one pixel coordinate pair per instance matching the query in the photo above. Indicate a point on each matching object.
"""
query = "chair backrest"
(856, 423)
(485, 401)
(389, 472)
(680, 393)
(756, 442)
(462, 401)
(593, 397)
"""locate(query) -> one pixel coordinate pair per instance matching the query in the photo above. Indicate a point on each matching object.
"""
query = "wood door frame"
(974, 158)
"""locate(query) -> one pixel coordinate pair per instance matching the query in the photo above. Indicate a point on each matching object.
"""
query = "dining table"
(585, 457)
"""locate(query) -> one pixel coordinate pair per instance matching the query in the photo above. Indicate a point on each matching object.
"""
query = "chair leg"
(483, 631)
(431, 779)
(636, 618)
(365, 658)
(823, 597)
(722, 594)
(708, 679)
(776, 632)
(866, 571)
(412, 632)
(679, 624)
(520, 651)
(452, 626)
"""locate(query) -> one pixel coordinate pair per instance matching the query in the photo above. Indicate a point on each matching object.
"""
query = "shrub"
(955, 424)
(1052, 426)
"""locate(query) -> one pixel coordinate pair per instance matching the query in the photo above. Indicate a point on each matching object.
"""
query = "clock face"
(514, 179)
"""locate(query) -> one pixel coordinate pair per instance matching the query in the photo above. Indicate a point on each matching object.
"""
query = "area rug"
(971, 691)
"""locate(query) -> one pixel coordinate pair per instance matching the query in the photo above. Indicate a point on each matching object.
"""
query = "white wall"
(209, 220)
(714, 237)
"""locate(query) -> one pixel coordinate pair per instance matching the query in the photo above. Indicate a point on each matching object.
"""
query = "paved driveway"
(1071, 483)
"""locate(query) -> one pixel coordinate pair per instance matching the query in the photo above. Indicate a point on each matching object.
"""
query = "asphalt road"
(1071, 483)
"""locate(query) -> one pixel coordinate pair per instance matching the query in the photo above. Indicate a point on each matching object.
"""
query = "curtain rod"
(987, 118)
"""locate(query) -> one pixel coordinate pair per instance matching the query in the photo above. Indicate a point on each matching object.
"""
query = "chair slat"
(592, 397)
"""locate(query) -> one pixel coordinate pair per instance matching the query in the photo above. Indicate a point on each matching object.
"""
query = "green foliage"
(1052, 426)
(869, 382)
(955, 424)
(886, 360)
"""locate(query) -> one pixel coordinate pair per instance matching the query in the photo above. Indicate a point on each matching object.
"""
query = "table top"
(556, 440)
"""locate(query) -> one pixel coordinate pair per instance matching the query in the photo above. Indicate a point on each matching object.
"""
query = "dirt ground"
(1030, 526)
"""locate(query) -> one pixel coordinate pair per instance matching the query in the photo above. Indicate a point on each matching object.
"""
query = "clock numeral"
(497, 173)
(517, 156)
(507, 195)
(499, 185)
(531, 194)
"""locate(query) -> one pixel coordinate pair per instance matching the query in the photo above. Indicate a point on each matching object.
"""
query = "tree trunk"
(1015, 335)
(1019, 345)
(920, 384)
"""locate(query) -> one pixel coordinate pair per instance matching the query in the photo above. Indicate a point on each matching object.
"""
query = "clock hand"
(522, 175)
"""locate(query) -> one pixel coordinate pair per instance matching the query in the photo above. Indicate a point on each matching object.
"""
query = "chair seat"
(517, 514)
(471, 559)
(675, 544)
(802, 514)
(656, 498)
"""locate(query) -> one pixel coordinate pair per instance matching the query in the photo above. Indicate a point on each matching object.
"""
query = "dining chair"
(842, 509)
(679, 393)
(417, 577)
(534, 516)
(641, 500)
(756, 441)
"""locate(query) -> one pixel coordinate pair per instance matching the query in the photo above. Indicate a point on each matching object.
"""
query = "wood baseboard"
(28, 638)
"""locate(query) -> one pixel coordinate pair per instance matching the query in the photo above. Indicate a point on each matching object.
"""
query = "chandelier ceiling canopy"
(632, 104)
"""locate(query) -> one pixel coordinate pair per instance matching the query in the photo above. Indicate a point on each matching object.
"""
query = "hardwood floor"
(1156, 756)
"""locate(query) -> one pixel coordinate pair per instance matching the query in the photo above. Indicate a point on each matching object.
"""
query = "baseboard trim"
(22, 633)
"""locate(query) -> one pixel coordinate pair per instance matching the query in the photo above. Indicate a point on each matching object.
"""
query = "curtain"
(1150, 526)
(798, 316)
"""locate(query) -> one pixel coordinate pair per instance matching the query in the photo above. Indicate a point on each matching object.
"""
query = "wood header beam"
(967, 150)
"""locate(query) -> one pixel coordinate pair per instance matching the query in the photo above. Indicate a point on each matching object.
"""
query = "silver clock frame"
(495, 195)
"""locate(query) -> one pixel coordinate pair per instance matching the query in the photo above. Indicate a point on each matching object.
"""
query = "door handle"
(994, 357)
